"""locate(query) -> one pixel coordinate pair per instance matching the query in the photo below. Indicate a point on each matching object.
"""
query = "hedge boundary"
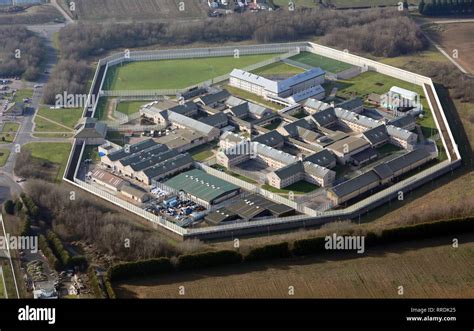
(302, 247)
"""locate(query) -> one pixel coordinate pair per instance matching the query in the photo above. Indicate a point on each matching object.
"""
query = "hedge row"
(62, 254)
(108, 287)
(273, 251)
(31, 208)
(400, 234)
(94, 282)
(140, 268)
(26, 226)
(44, 246)
(208, 259)
(281, 250)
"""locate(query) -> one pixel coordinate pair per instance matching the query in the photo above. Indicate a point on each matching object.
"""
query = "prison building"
(158, 111)
(364, 157)
(409, 161)
(323, 158)
(165, 169)
(135, 193)
(355, 122)
(193, 93)
(203, 188)
(271, 138)
(249, 109)
(229, 139)
(399, 97)
(407, 122)
(324, 118)
(345, 148)
(354, 187)
(218, 120)
(279, 89)
(308, 136)
(113, 157)
(313, 106)
(125, 164)
(301, 170)
(355, 105)
(221, 216)
(255, 206)
(316, 92)
(291, 129)
(90, 131)
(183, 139)
(180, 121)
(377, 136)
(401, 137)
(108, 180)
(213, 99)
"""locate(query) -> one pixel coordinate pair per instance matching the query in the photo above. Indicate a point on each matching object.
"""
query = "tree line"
(446, 7)
(80, 42)
(21, 53)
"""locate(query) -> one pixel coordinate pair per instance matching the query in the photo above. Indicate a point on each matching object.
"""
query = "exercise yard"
(175, 74)
(324, 63)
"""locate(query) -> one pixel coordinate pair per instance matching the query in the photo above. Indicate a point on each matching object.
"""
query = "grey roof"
(215, 97)
(192, 93)
(308, 135)
(365, 155)
(383, 171)
(90, 128)
(144, 144)
(277, 87)
(274, 154)
(408, 159)
(133, 190)
(355, 183)
(291, 128)
(233, 101)
(219, 119)
(144, 154)
(230, 136)
(401, 133)
(187, 108)
(403, 122)
(351, 104)
(241, 110)
(147, 162)
(289, 170)
(348, 145)
(272, 139)
(316, 104)
(376, 135)
(221, 215)
(168, 165)
(308, 93)
(356, 118)
(324, 158)
(324, 117)
(189, 122)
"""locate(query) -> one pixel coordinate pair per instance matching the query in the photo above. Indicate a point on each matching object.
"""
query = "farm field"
(56, 153)
(456, 36)
(174, 74)
(8, 132)
(4, 154)
(128, 10)
(426, 269)
(365, 3)
(278, 70)
(324, 63)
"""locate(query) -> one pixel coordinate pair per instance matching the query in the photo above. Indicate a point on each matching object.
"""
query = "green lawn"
(278, 69)
(171, 74)
(42, 125)
(300, 187)
(57, 153)
(130, 107)
(366, 3)
(67, 116)
(22, 94)
(252, 97)
(8, 132)
(203, 152)
(101, 109)
(233, 174)
(324, 63)
(374, 82)
(4, 154)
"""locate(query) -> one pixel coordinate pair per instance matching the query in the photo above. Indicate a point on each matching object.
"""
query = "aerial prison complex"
(211, 157)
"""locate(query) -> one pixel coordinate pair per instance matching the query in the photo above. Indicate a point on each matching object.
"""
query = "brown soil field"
(457, 36)
(128, 10)
(427, 269)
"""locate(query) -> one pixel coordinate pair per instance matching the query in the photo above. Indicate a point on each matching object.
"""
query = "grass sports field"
(324, 63)
(57, 120)
(57, 153)
(278, 70)
(426, 269)
(130, 107)
(174, 74)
